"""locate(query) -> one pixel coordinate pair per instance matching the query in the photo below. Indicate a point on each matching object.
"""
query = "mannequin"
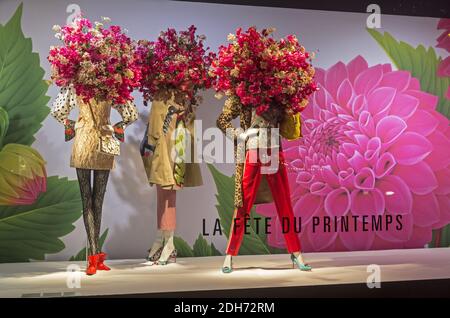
(92, 166)
(171, 114)
(258, 144)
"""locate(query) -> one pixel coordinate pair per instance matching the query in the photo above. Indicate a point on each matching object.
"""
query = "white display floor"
(50, 279)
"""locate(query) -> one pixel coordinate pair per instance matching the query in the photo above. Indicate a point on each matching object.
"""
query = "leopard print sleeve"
(231, 110)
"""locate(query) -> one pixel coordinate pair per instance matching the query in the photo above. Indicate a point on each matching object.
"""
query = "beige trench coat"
(87, 131)
(160, 166)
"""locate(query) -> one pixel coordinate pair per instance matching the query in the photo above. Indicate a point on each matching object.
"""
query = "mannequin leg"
(227, 266)
(166, 222)
(279, 186)
(250, 183)
(99, 189)
(166, 207)
(169, 251)
(281, 196)
(98, 194)
(84, 180)
(155, 251)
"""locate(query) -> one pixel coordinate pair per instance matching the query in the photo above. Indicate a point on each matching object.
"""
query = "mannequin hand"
(69, 129)
(145, 148)
(251, 132)
(147, 151)
(119, 131)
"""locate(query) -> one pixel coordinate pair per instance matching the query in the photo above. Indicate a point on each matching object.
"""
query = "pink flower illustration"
(373, 146)
(444, 43)
(444, 38)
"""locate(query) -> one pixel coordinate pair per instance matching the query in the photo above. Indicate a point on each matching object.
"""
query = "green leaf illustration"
(253, 242)
(183, 248)
(4, 124)
(225, 199)
(22, 88)
(81, 255)
(29, 232)
(422, 64)
(444, 236)
(202, 248)
(215, 251)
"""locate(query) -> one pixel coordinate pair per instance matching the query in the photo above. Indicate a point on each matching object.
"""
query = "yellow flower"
(118, 78)
(218, 95)
(270, 30)
(129, 73)
(231, 37)
(234, 72)
(281, 74)
(289, 90)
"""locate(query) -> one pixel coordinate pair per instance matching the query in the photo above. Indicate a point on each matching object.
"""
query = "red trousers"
(279, 186)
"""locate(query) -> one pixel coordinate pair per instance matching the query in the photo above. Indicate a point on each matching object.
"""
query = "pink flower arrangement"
(373, 145)
(99, 62)
(175, 61)
(263, 72)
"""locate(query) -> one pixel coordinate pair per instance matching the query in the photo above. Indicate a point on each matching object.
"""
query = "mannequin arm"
(129, 114)
(62, 106)
(231, 110)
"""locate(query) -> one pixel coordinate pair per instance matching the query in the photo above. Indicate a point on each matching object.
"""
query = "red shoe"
(101, 266)
(92, 264)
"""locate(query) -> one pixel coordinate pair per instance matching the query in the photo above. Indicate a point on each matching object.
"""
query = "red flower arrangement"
(263, 72)
(99, 62)
(175, 61)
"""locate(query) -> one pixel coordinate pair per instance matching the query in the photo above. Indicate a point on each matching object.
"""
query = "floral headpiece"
(263, 72)
(97, 61)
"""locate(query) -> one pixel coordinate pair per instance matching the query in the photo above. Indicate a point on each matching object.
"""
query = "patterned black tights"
(92, 199)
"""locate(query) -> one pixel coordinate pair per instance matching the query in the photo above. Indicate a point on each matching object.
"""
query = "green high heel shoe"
(301, 266)
(227, 269)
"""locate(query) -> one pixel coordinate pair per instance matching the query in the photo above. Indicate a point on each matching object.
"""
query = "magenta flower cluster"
(99, 62)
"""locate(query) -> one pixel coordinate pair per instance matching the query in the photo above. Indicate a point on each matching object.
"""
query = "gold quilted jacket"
(86, 130)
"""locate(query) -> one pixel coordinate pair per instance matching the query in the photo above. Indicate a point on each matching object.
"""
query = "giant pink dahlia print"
(373, 145)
